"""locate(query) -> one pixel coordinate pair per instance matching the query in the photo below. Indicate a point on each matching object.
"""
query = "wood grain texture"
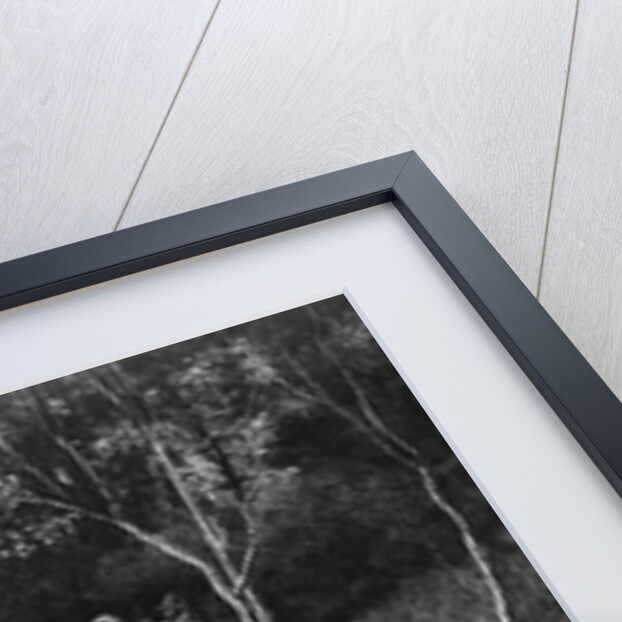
(84, 87)
(282, 91)
(582, 271)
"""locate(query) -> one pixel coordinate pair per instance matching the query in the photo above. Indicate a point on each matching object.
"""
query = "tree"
(277, 470)
(71, 478)
(327, 336)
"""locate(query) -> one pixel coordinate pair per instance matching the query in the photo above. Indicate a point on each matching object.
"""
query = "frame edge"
(569, 384)
(120, 253)
(565, 379)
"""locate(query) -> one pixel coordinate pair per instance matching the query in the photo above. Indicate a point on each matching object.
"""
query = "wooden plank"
(282, 91)
(582, 275)
(84, 87)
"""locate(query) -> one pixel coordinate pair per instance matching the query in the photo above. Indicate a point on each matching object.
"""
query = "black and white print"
(277, 471)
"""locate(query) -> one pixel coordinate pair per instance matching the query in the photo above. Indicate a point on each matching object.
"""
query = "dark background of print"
(280, 470)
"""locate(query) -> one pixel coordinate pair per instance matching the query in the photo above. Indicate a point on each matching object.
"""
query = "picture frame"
(572, 388)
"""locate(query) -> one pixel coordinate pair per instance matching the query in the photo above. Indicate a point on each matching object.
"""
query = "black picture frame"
(561, 374)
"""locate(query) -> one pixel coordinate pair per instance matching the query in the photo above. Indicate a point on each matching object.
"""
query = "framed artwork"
(328, 401)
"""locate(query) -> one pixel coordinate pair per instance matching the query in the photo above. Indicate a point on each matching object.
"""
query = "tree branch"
(226, 466)
(166, 548)
(242, 502)
(409, 456)
(81, 466)
(205, 526)
(208, 531)
(31, 470)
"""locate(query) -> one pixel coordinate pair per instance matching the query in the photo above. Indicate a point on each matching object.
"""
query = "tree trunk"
(237, 603)
(242, 593)
(409, 457)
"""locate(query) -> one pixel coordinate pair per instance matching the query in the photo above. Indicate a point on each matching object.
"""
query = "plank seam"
(547, 217)
(166, 116)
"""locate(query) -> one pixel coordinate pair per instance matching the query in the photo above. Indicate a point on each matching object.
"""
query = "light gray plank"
(582, 272)
(84, 87)
(281, 91)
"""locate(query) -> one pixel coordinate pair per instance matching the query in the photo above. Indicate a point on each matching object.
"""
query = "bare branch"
(248, 560)
(24, 465)
(204, 524)
(208, 532)
(226, 466)
(166, 548)
(87, 472)
(470, 543)
(408, 456)
(315, 394)
(54, 431)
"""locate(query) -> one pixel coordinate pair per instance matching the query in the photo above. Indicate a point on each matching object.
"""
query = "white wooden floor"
(116, 113)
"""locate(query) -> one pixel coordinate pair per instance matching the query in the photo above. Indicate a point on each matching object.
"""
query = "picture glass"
(276, 471)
